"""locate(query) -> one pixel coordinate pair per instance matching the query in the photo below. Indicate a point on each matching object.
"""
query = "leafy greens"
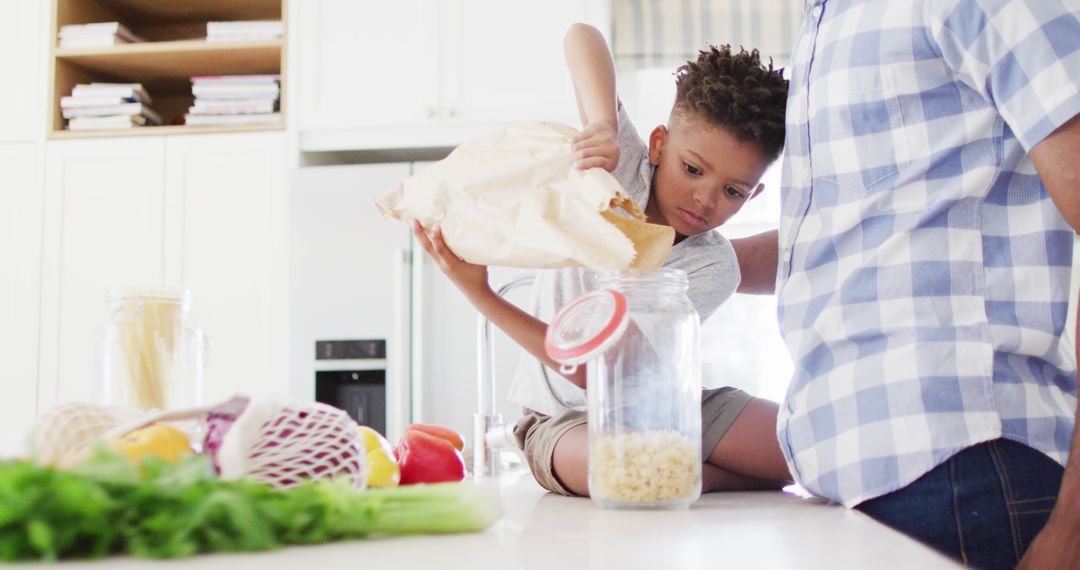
(107, 506)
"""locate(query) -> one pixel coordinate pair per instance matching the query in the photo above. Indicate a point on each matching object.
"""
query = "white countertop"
(542, 531)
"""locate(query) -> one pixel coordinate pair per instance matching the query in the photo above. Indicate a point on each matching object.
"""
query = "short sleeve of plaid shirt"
(1022, 57)
(924, 272)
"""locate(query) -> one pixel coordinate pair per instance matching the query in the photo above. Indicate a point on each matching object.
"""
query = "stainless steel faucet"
(490, 435)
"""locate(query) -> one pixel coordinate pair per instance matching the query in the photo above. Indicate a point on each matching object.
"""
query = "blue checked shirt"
(924, 272)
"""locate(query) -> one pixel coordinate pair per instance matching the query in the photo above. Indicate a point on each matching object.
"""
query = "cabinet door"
(504, 60)
(23, 61)
(225, 241)
(20, 289)
(349, 276)
(103, 229)
(367, 62)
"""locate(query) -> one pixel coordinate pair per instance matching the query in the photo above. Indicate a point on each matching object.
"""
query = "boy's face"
(703, 176)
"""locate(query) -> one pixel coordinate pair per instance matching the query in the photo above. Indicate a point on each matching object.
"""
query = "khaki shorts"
(537, 434)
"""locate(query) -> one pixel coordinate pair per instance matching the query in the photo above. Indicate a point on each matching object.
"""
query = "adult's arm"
(757, 256)
(1057, 160)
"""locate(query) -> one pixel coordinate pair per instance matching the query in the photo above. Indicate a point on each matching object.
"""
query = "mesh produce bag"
(278, 443)
(283, 444)
(60, 435)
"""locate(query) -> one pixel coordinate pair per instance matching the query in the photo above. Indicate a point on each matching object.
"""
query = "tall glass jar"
(153, 358)
(638, 333)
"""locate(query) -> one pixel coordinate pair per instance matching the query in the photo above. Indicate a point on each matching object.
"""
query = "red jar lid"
(586, 327)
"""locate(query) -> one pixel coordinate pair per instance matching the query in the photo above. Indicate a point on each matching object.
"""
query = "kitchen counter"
(548, 532)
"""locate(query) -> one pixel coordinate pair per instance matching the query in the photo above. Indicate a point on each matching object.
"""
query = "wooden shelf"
(165, 65)
(165, 130)
(142, 11)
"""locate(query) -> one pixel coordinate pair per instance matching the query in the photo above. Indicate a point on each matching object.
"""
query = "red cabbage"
(218, 422)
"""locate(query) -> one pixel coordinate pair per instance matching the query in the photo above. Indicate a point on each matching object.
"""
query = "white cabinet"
(429, 73)
(20, 280)
(206, 213)
(368, 62)
(504, 60)
(23, 61)
(104, 228)
(226, 241)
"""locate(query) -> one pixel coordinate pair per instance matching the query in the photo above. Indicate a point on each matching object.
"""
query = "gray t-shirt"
(708, 260)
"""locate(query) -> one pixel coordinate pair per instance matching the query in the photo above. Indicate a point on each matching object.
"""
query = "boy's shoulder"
(709, 240)
(711, 268)
(633, 172)
(708, 249)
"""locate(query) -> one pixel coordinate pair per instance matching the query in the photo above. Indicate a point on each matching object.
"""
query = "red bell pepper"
(444, 432)
(424, 458)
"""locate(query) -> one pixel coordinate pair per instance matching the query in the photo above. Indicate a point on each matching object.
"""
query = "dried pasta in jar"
(644, 467)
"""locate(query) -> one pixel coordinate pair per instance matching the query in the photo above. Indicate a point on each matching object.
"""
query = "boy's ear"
(657, 140)
(760, 188)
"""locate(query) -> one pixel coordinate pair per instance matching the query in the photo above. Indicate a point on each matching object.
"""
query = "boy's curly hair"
(737, 92)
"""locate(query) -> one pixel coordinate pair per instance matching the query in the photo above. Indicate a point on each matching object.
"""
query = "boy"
(726, 126)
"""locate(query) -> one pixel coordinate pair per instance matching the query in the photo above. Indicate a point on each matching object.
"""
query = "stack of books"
(99, 34)
(244, 31)
(234, 100)
(105, 106)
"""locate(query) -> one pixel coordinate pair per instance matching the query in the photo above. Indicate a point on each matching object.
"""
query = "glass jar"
(638, 334)
(153, 358)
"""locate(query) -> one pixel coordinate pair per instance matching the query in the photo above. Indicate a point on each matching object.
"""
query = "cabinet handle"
(431, 112)
(450, 112)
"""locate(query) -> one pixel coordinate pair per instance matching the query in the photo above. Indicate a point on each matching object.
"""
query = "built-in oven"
(351, 375)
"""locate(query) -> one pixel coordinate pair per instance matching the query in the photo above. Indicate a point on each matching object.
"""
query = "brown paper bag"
(512, 197)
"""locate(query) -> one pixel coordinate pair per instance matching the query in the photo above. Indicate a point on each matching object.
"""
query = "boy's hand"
(471, 279)
(596, 147)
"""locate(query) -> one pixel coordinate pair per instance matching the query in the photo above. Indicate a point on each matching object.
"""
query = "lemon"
(158, 440)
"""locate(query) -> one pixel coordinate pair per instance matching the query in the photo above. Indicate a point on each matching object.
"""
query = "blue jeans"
(983, 506)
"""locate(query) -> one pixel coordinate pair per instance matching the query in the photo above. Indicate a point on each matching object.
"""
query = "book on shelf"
(226, 91)
(234, 100)
(242, 38)
(122, 109)
(244, 26)
(243, 31)
(107, 122)
(232, 120)
(232, 106)
(234, 79)
(99, 34)
(98, 28)
(127, 90)
(71, 102)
